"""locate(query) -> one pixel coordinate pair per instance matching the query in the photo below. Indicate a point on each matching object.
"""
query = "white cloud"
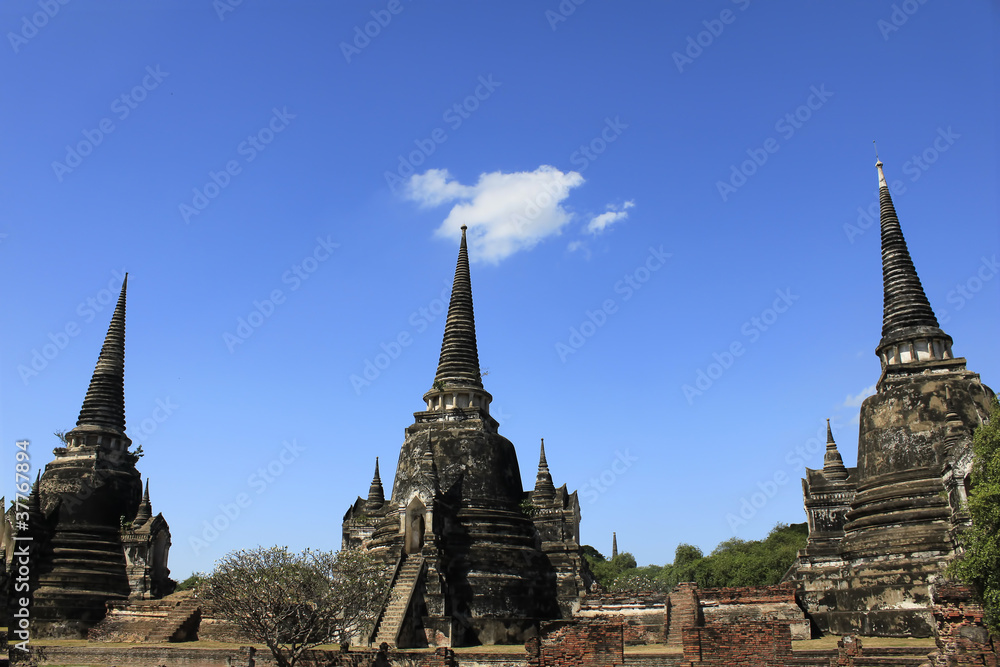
(579, 245)
(855, 401)
(433, 188)
(614, 214)
(505, 213)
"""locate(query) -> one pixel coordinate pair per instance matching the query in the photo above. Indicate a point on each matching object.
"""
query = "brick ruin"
(883, 533)
(583, 642)
(962, 637)
(691, 607)
(643, 615)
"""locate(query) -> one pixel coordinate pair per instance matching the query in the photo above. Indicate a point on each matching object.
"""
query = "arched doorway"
(414, 527)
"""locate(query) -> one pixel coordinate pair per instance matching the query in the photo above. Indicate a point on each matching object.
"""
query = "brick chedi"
(473, 558)
(882, 534)
(96, 538)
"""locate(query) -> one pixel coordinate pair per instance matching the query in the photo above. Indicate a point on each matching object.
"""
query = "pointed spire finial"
(833, 464)
(376, 495)
(544, 488)
(459, 361)
(145, 511)
(104, 404)
(910, 330)
(878, 166)
(35, 498)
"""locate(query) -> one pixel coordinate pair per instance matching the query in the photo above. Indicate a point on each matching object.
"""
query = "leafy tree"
(606, 571)
(734, 562)
(294, 602)
(194, 581)
(639, 579)
(979, 565)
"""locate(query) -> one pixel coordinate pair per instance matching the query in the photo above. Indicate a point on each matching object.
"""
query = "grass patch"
(85, 643)
(492, 649)
(652, 649)
(830, 642)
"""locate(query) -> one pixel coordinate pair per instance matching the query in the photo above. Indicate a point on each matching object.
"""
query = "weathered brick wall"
(581, 642)
(690, 606)
(752, 644)
(750, 594)
(754, 603)
(963, 639)
(644, 598)
(642, 614)
(849, 648)
(681, 612)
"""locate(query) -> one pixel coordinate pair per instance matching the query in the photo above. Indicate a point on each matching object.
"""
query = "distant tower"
(879, 534)
(475, 558)
(614, 545)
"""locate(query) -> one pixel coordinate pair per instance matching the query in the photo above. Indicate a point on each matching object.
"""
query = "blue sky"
(651, 189)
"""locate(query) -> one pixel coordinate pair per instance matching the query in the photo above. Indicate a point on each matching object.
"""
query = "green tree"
(737, 562)
(979, 565)
(606, 571)
(294, 602)
(734, 562)
(194, 581)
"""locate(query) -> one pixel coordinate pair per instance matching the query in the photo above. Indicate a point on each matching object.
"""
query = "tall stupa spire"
(104, 404)
(910, 331)
(458, 384)
(459, 362)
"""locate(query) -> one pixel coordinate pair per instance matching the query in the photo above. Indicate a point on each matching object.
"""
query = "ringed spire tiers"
(458, 382)
(145, 512)
(104, 405)
(544, 488)
(376, 494)
(833, 464)
(910, 331)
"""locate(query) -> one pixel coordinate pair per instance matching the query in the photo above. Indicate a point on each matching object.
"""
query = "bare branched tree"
(294, 602)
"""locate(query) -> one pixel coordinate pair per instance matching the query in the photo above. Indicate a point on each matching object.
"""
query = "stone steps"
(399, 601)
(172, 619)
(183, 614)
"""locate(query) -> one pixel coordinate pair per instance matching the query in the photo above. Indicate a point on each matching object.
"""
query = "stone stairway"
(399, 600)
(175, 618)
(181, 623)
